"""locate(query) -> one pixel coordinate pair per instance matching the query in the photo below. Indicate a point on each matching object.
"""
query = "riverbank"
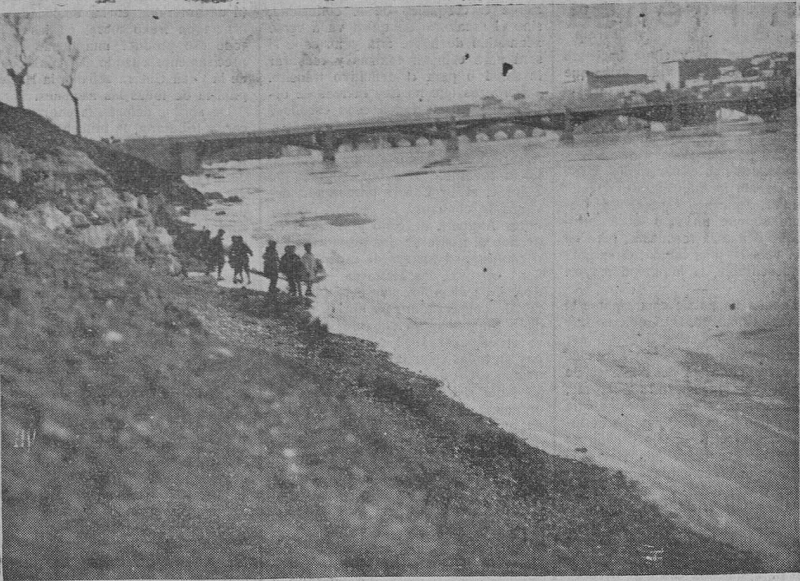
(161, 426)
(187, 431)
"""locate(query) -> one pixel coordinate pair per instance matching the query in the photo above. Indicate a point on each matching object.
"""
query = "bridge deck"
(398, 125)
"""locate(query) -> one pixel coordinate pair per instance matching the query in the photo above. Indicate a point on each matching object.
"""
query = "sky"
(149, 73)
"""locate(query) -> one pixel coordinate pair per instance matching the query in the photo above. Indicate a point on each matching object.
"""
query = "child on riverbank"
(311, 265)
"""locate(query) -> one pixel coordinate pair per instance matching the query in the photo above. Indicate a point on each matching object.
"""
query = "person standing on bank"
(292, 267)
(203, 246)
(239, 258)
(271, 265)
(216, 254)
(310, 267)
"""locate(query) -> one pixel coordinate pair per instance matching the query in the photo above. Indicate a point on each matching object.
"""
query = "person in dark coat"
(239, 259)
(271, 265)
(292, 267)
(216, 254)
(203, 244)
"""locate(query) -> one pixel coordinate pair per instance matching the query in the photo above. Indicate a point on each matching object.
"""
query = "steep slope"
(31, 132)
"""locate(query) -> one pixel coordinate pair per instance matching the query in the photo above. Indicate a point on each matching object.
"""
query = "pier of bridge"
(185, 154)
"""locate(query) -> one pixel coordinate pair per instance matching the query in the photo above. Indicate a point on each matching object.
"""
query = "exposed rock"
(79, 220)
(145, 223)
(134, 228)
(129, 253)
(56, 431)
(657, 127)
(62, 186)
(97, 236)
(52, 218)
(129, 200)
(113, 337)
(168, 264)
(12, 160)
(8, 206)
(163, 237)
(9, 227)
(108, 204)
(214, 196)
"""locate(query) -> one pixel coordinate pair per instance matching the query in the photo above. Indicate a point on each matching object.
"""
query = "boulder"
(98, 236)
(133, 229)
(124, 238)
(145, 223)
(10, 248)
(79, 220)
(129, 200)
(144, 203)
(9, 227)
(108, 204)
(128, 252)
(12, 160)
(168, 264)
(52, 218)
(214, 196)
(163, 237)
(8, 206)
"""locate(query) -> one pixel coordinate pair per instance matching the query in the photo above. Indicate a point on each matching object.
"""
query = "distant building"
(742, 85)
(759, 59)
(615, 84)
(700, 74)
(675, 74)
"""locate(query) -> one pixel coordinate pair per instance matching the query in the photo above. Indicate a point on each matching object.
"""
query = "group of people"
(298, 270)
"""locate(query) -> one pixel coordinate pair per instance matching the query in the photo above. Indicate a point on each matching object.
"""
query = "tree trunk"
(77, 113)
(19, 80)
(18, 86)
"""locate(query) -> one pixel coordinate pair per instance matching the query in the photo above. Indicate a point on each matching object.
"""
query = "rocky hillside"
(101, 197)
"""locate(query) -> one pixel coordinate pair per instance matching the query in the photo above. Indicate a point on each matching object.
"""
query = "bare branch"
(69, 59)
(19, 26)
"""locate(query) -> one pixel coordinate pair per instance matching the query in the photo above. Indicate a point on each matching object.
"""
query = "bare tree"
(20, 56)
(69, 57)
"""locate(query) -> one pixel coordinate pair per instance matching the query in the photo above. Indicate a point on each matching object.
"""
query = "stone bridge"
(185, 154)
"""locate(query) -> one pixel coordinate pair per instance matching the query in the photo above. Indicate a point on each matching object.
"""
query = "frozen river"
(629, 300)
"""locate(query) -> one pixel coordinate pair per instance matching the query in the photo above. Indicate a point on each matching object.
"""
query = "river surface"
(627, 300)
